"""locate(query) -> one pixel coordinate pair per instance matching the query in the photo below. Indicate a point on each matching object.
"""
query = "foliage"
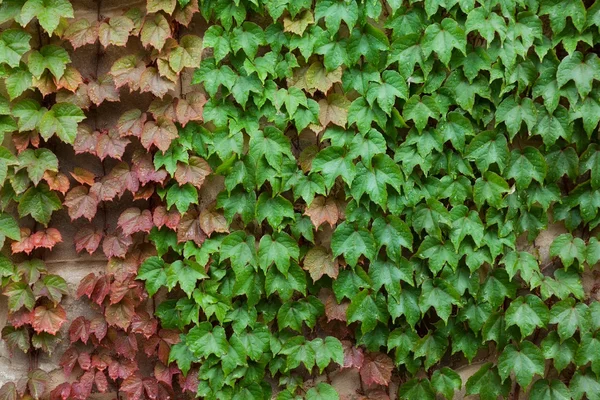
(346, 184)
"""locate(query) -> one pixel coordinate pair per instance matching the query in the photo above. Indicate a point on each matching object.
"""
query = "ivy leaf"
(48, 12)
(62, 120)
(318, 261)
(155, 31)
(486, 23)
(182, 196)
(368, 309)
(352, 242)
(513, 115)
(273, 209)
(14, 43)
(420, 109)
(115, 31)
(525, 165)
(336, 11)
(489, 189)
(487, 148)
(204, 340)
(583, 71)
(39, 202)
(525, 362)
(527, 313)
(19, 295)
(37, 162)
(322, 391)
(279, 250)
(438, 294)
(248, 37)
(569, 249)
(442, 38)
(584, 384)
(520, 261)
(487, 384)
(417, 389)
(332, 162)
(446, 382)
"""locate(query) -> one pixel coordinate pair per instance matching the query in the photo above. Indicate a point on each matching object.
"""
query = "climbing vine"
(304, 187)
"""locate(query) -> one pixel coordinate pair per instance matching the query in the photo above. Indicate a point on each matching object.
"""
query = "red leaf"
(213, 221)
(70, 80)
(132, 123)
(101, 290)
(144, 168)
(20, 317)
(190, 108)
(86, 286)
(111, 144)
(353, 356)
(99, 327)
(159, 133)
(151, 81)
(22, 140)
(134, 220)
(118, 290)
(162, 217)
(80, 330)
(335, 311)
(133, 387)
(164, 107)
(107, 189)
(377, 369)
(81, 203)
(25, 245)
(83, 176)
(103, 90)
(165, 374)
(144, 324)
(101, 382)
(116, 245)
(124, 178)
(84, 360)
(81, 390)
(61, 392)
(101, 360)
(47, 238)
(120, 314)
(194, 172)
(190, 382)
(47, 318)
(144, 193)
(68, 360)
(88, 239)
(122, 369)
(57, 181)
(189, 228)
(86, 139)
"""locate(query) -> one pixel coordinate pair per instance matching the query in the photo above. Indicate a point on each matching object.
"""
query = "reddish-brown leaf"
(119, 289)
(84, 360)
(22, 140)
(131, 123)
(111, 144)
(101, 382)
(116, 245)
(24, 245)
(353, 356)
(46, 238)
(81, 32)
(165, 374)
(134, 220)
(151, 81)
(8, 391)
(115, 31)
(376, 369)
(102, 90)
(80, 98)
(107, 189)
(83, 176)
(159, 133)
(57, 181)
(124, 178)
(87, 238)
(319, 261)
(194, 172)
(144, 168)
(20, 317)
(99, 327)
(86, 139)
(190, 382)
(164, 107)
(335, 311)
(61, 392)
(161, 217)
(189, 228)
(80, 330)
(128, 71)
(82, 389)
(101, 290)
(133, 387)
(323, 210)
(45, 83)
(144, 193)
(86, 286)
(48, 318)
(120, 314)
(122, 369)
(190, 108)
(70, 80)
(124, 344)
(68, 360)
(184, 15)
(37, 383)
(144, 324)
(213, 221)
(81, 203)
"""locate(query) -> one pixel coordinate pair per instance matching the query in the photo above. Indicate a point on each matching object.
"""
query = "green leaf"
(204, 340)
(352, 242)
(440, 295)
(368, 309)
(569, 249)
(37, 162)
(443, 38)
(336, 11)
(48, 12)
(62, 119)
(185, 273)
(153, 272)
(416, 389)
(14, 43)
(420, 109)
(487, 384)
(513, 115)
(525, 165)
(520, 261)
(582, 70)
(569, 317)
(489, 189)
(561, 352)
(528, 313)
(584, 384)
(446, 382)
(182, 196)
(327, 351)
(50, 57)
(273, 209)
(39, 202)
(488, 147)
(589, 352)
(278, 250)
(182, 355)
(374, 180)
(332, 162)
(322, 391)
(524, 362)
